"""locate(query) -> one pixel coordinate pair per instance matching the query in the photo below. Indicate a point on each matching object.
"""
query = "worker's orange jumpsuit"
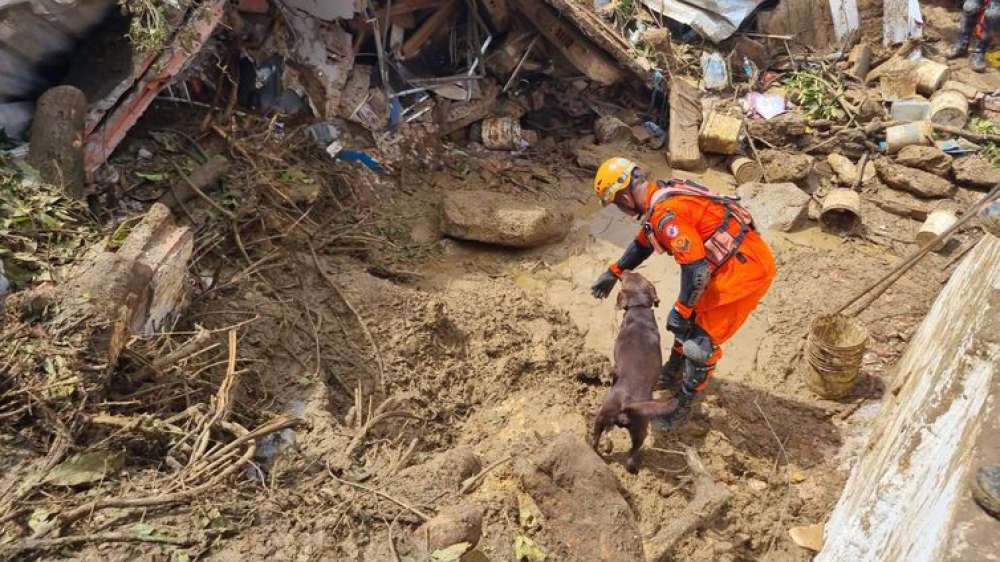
(681, 224)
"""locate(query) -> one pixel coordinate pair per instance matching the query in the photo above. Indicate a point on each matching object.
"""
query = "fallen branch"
(975, 137)
(709, 498)
(10, 551)
(90, 507)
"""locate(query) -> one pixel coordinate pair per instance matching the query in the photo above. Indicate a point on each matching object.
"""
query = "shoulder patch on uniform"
(682, 244)
(672, 230)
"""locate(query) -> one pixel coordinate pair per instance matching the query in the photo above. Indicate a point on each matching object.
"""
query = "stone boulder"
(927, 158)
(976, 171)
(847, 171)
(504, 220)
(918, 182)
(584, 516)
(774, 206)
(453, 525)
(783, 166)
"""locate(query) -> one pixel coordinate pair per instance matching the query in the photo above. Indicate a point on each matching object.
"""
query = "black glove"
(602, 287)
(678, 325)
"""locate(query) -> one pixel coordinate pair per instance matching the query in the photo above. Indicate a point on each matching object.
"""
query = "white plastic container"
(910, 110)
(937, 222)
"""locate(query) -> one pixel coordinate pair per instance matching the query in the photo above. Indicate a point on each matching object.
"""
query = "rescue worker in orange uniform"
(726, 268)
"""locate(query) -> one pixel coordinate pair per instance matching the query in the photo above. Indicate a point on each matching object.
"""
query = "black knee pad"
(972, 7)
(698, 349)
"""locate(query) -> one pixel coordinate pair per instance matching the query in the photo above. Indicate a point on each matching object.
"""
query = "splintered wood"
(685, 119)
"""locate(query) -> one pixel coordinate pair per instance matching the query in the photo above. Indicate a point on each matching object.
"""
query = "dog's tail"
(650, 408)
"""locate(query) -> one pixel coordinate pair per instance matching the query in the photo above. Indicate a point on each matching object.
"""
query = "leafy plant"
(40, 226)
(148, 27)
(814, 95)
(986, 127)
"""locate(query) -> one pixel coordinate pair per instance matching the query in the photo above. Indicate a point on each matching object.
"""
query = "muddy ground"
(486, 354)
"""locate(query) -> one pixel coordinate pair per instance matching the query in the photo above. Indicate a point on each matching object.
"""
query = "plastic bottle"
(714, 71)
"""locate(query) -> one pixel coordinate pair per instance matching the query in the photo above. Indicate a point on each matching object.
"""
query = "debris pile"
(232, 298)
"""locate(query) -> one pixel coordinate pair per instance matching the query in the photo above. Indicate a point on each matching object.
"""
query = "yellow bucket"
(834, 350)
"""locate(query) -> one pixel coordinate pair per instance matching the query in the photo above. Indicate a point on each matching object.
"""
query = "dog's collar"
(637, 306)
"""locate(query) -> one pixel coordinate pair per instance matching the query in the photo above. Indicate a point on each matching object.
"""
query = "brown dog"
(638, 360)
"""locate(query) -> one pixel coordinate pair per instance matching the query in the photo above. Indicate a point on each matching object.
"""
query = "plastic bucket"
(834, 349)
(841, 211)
(745, 170)
(937, 222)
(501, 133)
(931, 76)
(970, 92)
(910, 110)
(950, 108)
(918, 132)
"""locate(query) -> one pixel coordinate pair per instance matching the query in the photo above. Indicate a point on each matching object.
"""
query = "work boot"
(958, 48)
(678, 417)
(986, 489)
(670, 374)
(977, 61)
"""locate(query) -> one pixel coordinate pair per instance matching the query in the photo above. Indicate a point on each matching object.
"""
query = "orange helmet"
(614, 175)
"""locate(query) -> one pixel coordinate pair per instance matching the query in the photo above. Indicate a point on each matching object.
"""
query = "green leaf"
(143, 529)
(152, 177)
(38, 519)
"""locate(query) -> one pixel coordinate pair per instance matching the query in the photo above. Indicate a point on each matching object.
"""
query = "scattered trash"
(746, 170)
(502, 133)
(715, 71)
(918, 132)
(950, 108)
(834, 350)
(841, 211)
(766, 105)
(910, 110)
(938, 221)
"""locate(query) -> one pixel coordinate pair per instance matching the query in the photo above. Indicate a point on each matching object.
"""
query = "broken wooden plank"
(412, 46)
(101, 142)
(581, 53)
(604, 36)
(685, 122)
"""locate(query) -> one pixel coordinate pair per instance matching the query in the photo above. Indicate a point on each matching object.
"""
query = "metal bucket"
(918, 132)
(841, 211)
(949, 108)
(745, 170)
(931, 76)
(834, 350)
(937, 222)
(501, 133)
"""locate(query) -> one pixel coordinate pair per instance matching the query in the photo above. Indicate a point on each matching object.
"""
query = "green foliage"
(40, 227)
(148, 28)
(990, 150)
(814, 95)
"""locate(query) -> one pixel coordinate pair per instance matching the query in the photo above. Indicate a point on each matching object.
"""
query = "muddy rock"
(975, 171)
(927, 158)
(591, 156)
(912, 180)
(504, 220)
(453, 525)
(783, 166)
(610, 129)
(584, 514)
(846, 171)
(777, 206)
(787, 128)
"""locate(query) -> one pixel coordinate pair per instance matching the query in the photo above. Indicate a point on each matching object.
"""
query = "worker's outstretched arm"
(634, 255)
(694, 279)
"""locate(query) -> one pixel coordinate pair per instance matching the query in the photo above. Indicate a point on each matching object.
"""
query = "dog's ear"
(620, 300)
